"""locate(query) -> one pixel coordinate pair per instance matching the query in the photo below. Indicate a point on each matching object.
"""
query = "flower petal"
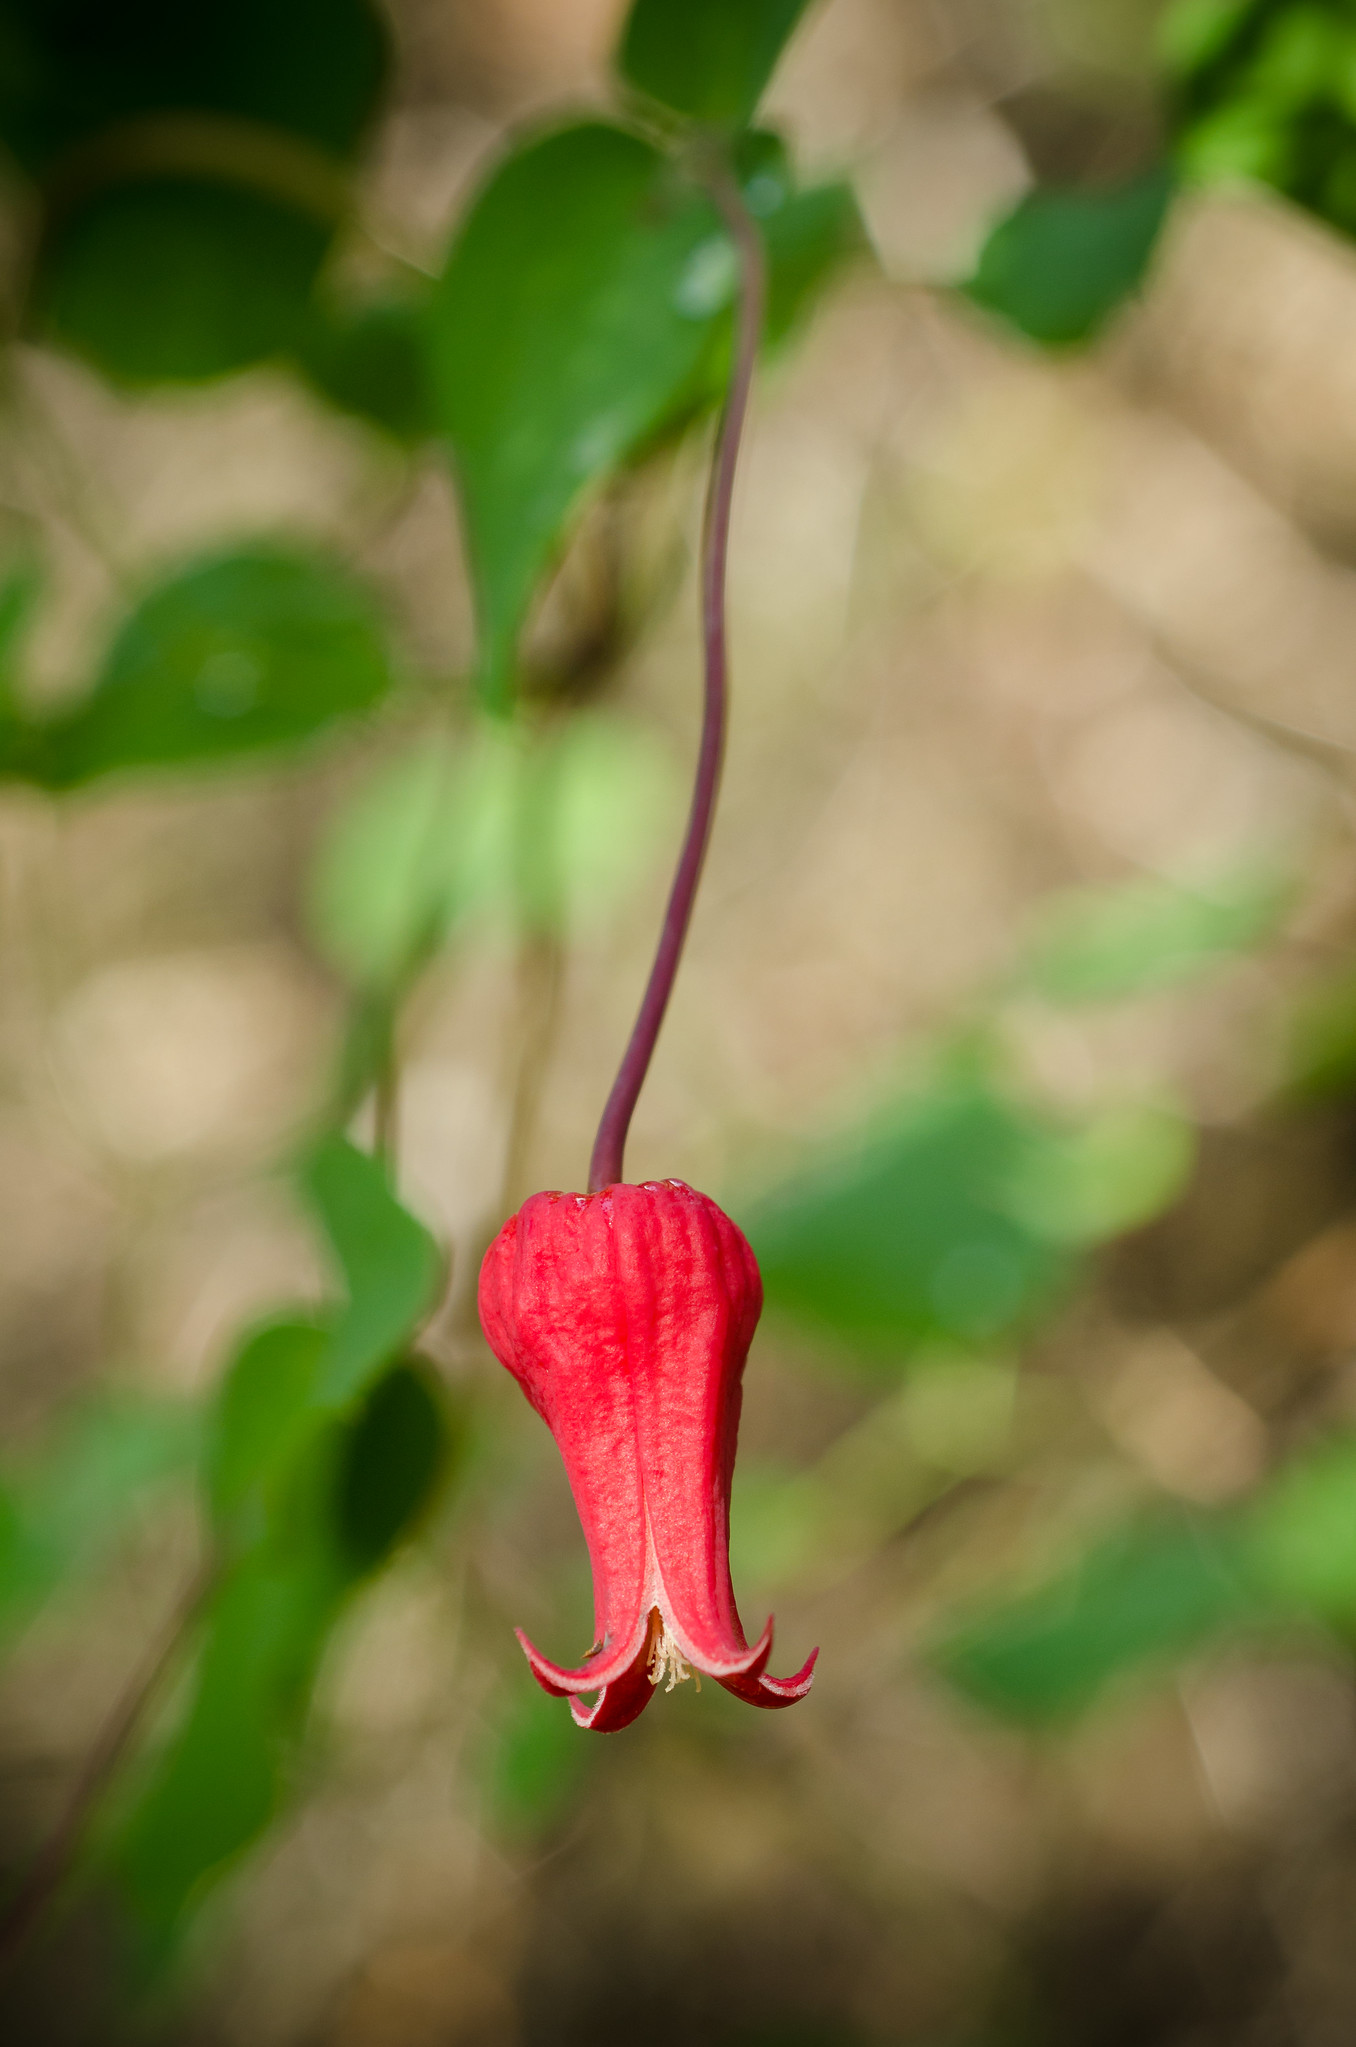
(693, 1299)
(600, 1669)
(624, 1688)
(554, 1315)
(773, 1691)
(621, 1701)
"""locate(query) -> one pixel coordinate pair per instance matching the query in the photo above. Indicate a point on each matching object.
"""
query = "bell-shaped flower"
(626, 1317)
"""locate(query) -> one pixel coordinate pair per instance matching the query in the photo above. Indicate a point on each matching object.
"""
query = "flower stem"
(607, 1164)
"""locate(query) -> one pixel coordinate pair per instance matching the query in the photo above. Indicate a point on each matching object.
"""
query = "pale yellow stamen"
(667, 1661)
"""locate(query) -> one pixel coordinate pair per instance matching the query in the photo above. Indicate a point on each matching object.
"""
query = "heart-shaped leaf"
(235, 655)
(708, 59)
(574, 307)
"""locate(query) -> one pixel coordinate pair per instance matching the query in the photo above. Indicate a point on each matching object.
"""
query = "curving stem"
(606, 1165)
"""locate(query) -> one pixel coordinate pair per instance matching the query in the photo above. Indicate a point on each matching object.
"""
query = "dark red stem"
(607, 1164)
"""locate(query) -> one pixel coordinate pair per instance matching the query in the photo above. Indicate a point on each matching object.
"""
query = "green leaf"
(179, 279)
(807, 238)
(104, 1453)
(551, 832)
(1193, 33)
(907, 1234)
(1301, 51)
(708, 59)
(1268, 94)
(239, 654)
(225, 1773)
(391, 1265)
(20, 587)
(1322, 1047)
(26, 1567)
(195, 160)
(603, 811)
(954, 1217)
(64, 1509)
(1098, 945)
(1302, 1535)
(374, 361)
(270, 1407)
(264, 1409)
(1247, 141)
(1149, 1596)
(389, 876)
(1063, 261)
(76, 67)
(573, 309)
(396, 1455)
(341, 1496)
(21, 583)
(1122, 1168)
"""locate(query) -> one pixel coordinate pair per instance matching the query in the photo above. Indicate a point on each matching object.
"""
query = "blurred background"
(1018, 1030)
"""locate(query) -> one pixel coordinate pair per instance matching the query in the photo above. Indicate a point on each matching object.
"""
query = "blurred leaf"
(1059, 265)
(233, 655)
(20, 587)
(387, 880)
(535, 1762)
(1193, 33)
(1243, 142)
(807, 238)
(64, 1509)
(265, 1407)
(602, 809)
(76, 67)
(903, 1235)
(1122, 1168)
(572, 309)
(224, 1774)
(374, 361)
(553, 830)
(1302, 1535)
(1099, 945)
(395, 1456)
(1152, 1594)
(391, 1265)
(177, 279)
(954, 1216)
(1300, 54)
(341, 1497)
(1322, 1050)
(709, 59)
(101, 1458)
(194, 169)
(1267, 92)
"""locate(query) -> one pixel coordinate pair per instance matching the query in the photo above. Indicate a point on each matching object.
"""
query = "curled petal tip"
(594, 1674)
(772, 1692)
(618, 1703)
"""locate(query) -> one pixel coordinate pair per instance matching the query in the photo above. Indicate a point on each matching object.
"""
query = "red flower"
(626, 1317)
